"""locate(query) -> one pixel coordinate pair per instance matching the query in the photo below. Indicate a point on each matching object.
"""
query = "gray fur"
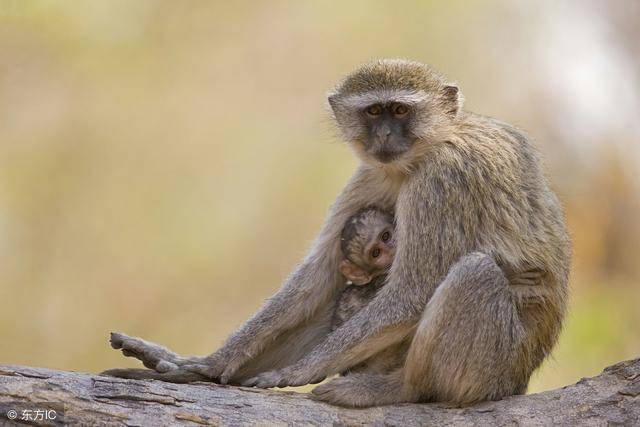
(353, 299)
(471, 202)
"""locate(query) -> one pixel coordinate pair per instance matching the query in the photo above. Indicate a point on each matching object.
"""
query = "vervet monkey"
(471, 206)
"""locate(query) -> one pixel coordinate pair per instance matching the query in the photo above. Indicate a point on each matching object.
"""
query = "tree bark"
(612, 397)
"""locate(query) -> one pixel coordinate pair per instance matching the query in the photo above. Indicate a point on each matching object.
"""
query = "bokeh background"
(164, 165)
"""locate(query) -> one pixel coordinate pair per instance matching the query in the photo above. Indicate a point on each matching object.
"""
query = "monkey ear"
(354, 273)
(453, 99)
(332, 98)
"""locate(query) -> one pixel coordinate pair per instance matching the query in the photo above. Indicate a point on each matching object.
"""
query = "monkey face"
(381, 250)
(391, 111)
(370, 246)
(388, 134)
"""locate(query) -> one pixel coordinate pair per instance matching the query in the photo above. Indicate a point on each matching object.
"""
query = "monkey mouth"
(387, 156)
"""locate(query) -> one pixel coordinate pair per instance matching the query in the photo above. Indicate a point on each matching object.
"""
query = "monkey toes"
(335, 392)
(116, 339)
(343, 391)
(151, 355)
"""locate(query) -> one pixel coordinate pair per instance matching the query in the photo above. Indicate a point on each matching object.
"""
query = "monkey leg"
(168, 366)
(153, 356)
(468, 343)
(465, 349)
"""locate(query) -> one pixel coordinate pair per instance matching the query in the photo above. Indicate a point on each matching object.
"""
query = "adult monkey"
(472, 206)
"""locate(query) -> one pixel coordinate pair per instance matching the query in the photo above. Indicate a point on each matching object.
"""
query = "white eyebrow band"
(408, 97)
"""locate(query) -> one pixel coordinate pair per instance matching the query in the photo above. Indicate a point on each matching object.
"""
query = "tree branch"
(612, 397)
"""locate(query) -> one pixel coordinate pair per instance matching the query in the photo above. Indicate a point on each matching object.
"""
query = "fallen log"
(63, 398)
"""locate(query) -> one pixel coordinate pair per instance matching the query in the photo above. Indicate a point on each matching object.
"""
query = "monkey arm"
(389, 317)
(297, 301)
(311, 285)
(383, 322)
(440, 218)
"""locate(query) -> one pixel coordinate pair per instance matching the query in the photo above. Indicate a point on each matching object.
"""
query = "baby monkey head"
(368, 245)
(387, 108)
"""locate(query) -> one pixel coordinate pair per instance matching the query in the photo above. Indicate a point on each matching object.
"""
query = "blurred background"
(165, 164)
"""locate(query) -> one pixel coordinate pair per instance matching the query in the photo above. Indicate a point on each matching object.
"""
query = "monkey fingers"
(216, 366)
(525, 282)
(265, 380)
(291, 376)
(526, 295)
(527, 278)
(208, 367)
(302, 377)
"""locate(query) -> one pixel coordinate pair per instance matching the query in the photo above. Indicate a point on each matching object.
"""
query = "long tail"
(176, 376)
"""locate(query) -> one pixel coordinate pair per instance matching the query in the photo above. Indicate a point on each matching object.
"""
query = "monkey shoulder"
(482, 157)
(483, 189)
(501, 145)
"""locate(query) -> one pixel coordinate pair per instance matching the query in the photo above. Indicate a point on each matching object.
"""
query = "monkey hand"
(217, 367)
(528, 287)
(291, 376)
(532, 277)
(210, 368)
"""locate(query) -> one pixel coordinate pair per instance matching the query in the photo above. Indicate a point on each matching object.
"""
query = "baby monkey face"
(377, 255)
(368, 244)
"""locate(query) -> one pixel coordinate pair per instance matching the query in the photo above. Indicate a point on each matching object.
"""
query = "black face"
(388, 130)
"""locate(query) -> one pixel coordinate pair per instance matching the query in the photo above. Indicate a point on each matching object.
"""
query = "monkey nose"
(383, 133)
(382, 140)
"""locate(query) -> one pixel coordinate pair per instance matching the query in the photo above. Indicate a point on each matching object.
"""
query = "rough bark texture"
(612, 397)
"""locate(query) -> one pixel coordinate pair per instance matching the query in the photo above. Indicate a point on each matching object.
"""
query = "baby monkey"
(368, 246)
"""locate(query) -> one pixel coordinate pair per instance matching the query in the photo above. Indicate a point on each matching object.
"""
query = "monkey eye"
(374, 110)
(385, 236)
(400, 110)
(375, 252)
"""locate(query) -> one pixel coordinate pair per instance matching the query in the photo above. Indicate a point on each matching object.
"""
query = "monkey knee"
(477, 262)
(476, 268)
